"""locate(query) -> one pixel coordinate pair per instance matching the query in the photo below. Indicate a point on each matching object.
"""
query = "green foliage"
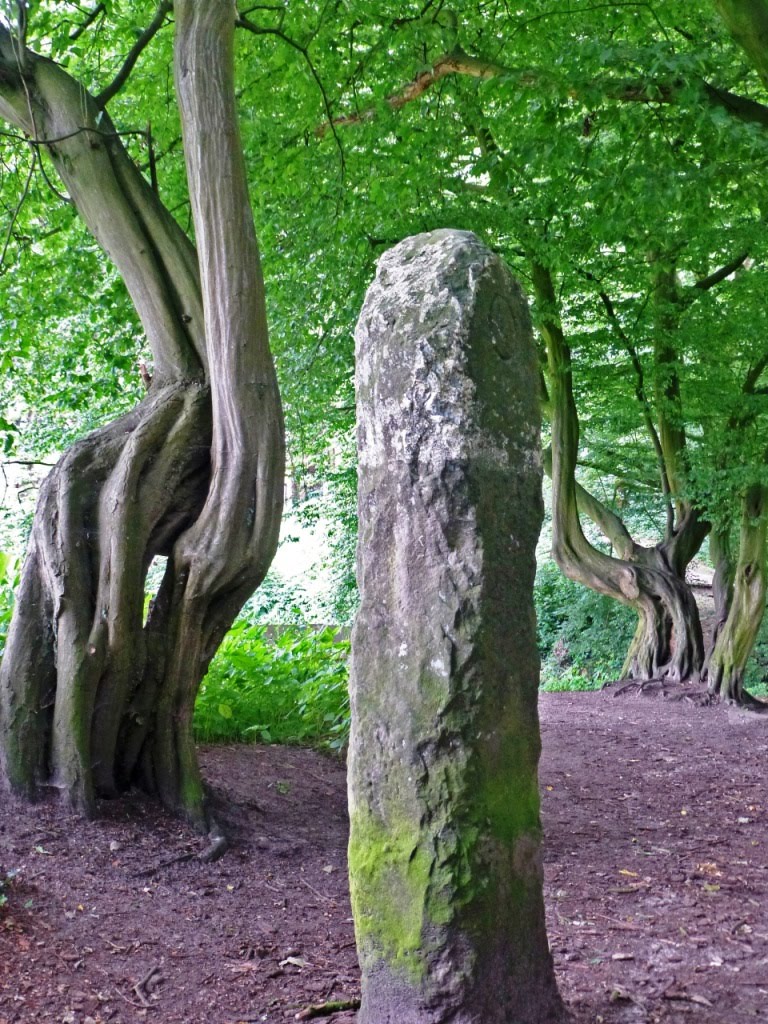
(9, 577)
(288, 689)
(583, 636)
(756, 675)
(553, 157)
(278, 601)
(341, 511)
(337, 508)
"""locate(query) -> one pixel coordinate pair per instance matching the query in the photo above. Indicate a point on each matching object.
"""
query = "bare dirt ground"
(657, 883)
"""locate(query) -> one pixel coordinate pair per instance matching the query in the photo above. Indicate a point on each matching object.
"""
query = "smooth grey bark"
(445, 858)
(92, 698)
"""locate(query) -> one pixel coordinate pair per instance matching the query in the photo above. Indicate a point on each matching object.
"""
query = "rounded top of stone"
(427, 264)
(443, 238)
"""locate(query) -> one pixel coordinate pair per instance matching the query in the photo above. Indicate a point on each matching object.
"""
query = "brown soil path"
(657, 883)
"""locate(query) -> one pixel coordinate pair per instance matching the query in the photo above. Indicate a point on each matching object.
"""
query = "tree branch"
(17, 211)
(577, 557)
(136, 50)
(720, 275)
(243, 22)
(604, 518)
(747, 22)
(644, 403)
(460, 63)
(90, 18)
(457, 63)
(749, 387)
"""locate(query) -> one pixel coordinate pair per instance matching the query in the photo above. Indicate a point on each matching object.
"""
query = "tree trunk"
(737, 636)
(92, 697)
(721, 555)
(667, 645)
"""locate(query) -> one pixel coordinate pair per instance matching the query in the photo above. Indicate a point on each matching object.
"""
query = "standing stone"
(445, 860)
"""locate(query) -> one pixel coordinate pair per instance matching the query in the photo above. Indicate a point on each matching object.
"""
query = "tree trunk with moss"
(93, 698)
(445, 859)
(737, 636)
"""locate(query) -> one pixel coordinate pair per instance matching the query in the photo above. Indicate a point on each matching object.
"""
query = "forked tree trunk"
(667, 645)
(736, 637)
(92, 697)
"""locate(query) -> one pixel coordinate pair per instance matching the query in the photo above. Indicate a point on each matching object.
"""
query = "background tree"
(591, 166)
(583, 140)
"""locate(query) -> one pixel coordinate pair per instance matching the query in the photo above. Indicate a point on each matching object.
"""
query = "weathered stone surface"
(445, 860)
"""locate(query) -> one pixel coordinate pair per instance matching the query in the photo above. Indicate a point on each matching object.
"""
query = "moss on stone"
(389, 882)
(412, 883)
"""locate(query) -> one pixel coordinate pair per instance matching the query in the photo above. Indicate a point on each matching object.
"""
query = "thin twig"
(77, 32)
(17, 211)
(69, 135)
(644, 403)
(140, 987)
(331, 121)
(27, 462)
(311, 888)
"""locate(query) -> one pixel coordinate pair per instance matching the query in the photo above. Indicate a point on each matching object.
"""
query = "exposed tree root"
(623, 687)
(217, 848)
(747, 702)
(692, 692)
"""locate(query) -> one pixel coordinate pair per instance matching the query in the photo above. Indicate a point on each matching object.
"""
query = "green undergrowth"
(756, 675)
(7, 879)
(288, 687)
(582, 636)
(9, 579)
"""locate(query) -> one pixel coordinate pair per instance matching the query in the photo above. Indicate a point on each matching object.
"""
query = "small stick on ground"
(138, 1006)
(326, 1009)
(179, 859)
(140, 988)
(321, 895)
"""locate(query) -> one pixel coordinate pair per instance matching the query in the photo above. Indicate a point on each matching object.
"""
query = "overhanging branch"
(644, 404)
(75, 34)
(459, 63)
(135, 52)
(720, 275)
(243, 22)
